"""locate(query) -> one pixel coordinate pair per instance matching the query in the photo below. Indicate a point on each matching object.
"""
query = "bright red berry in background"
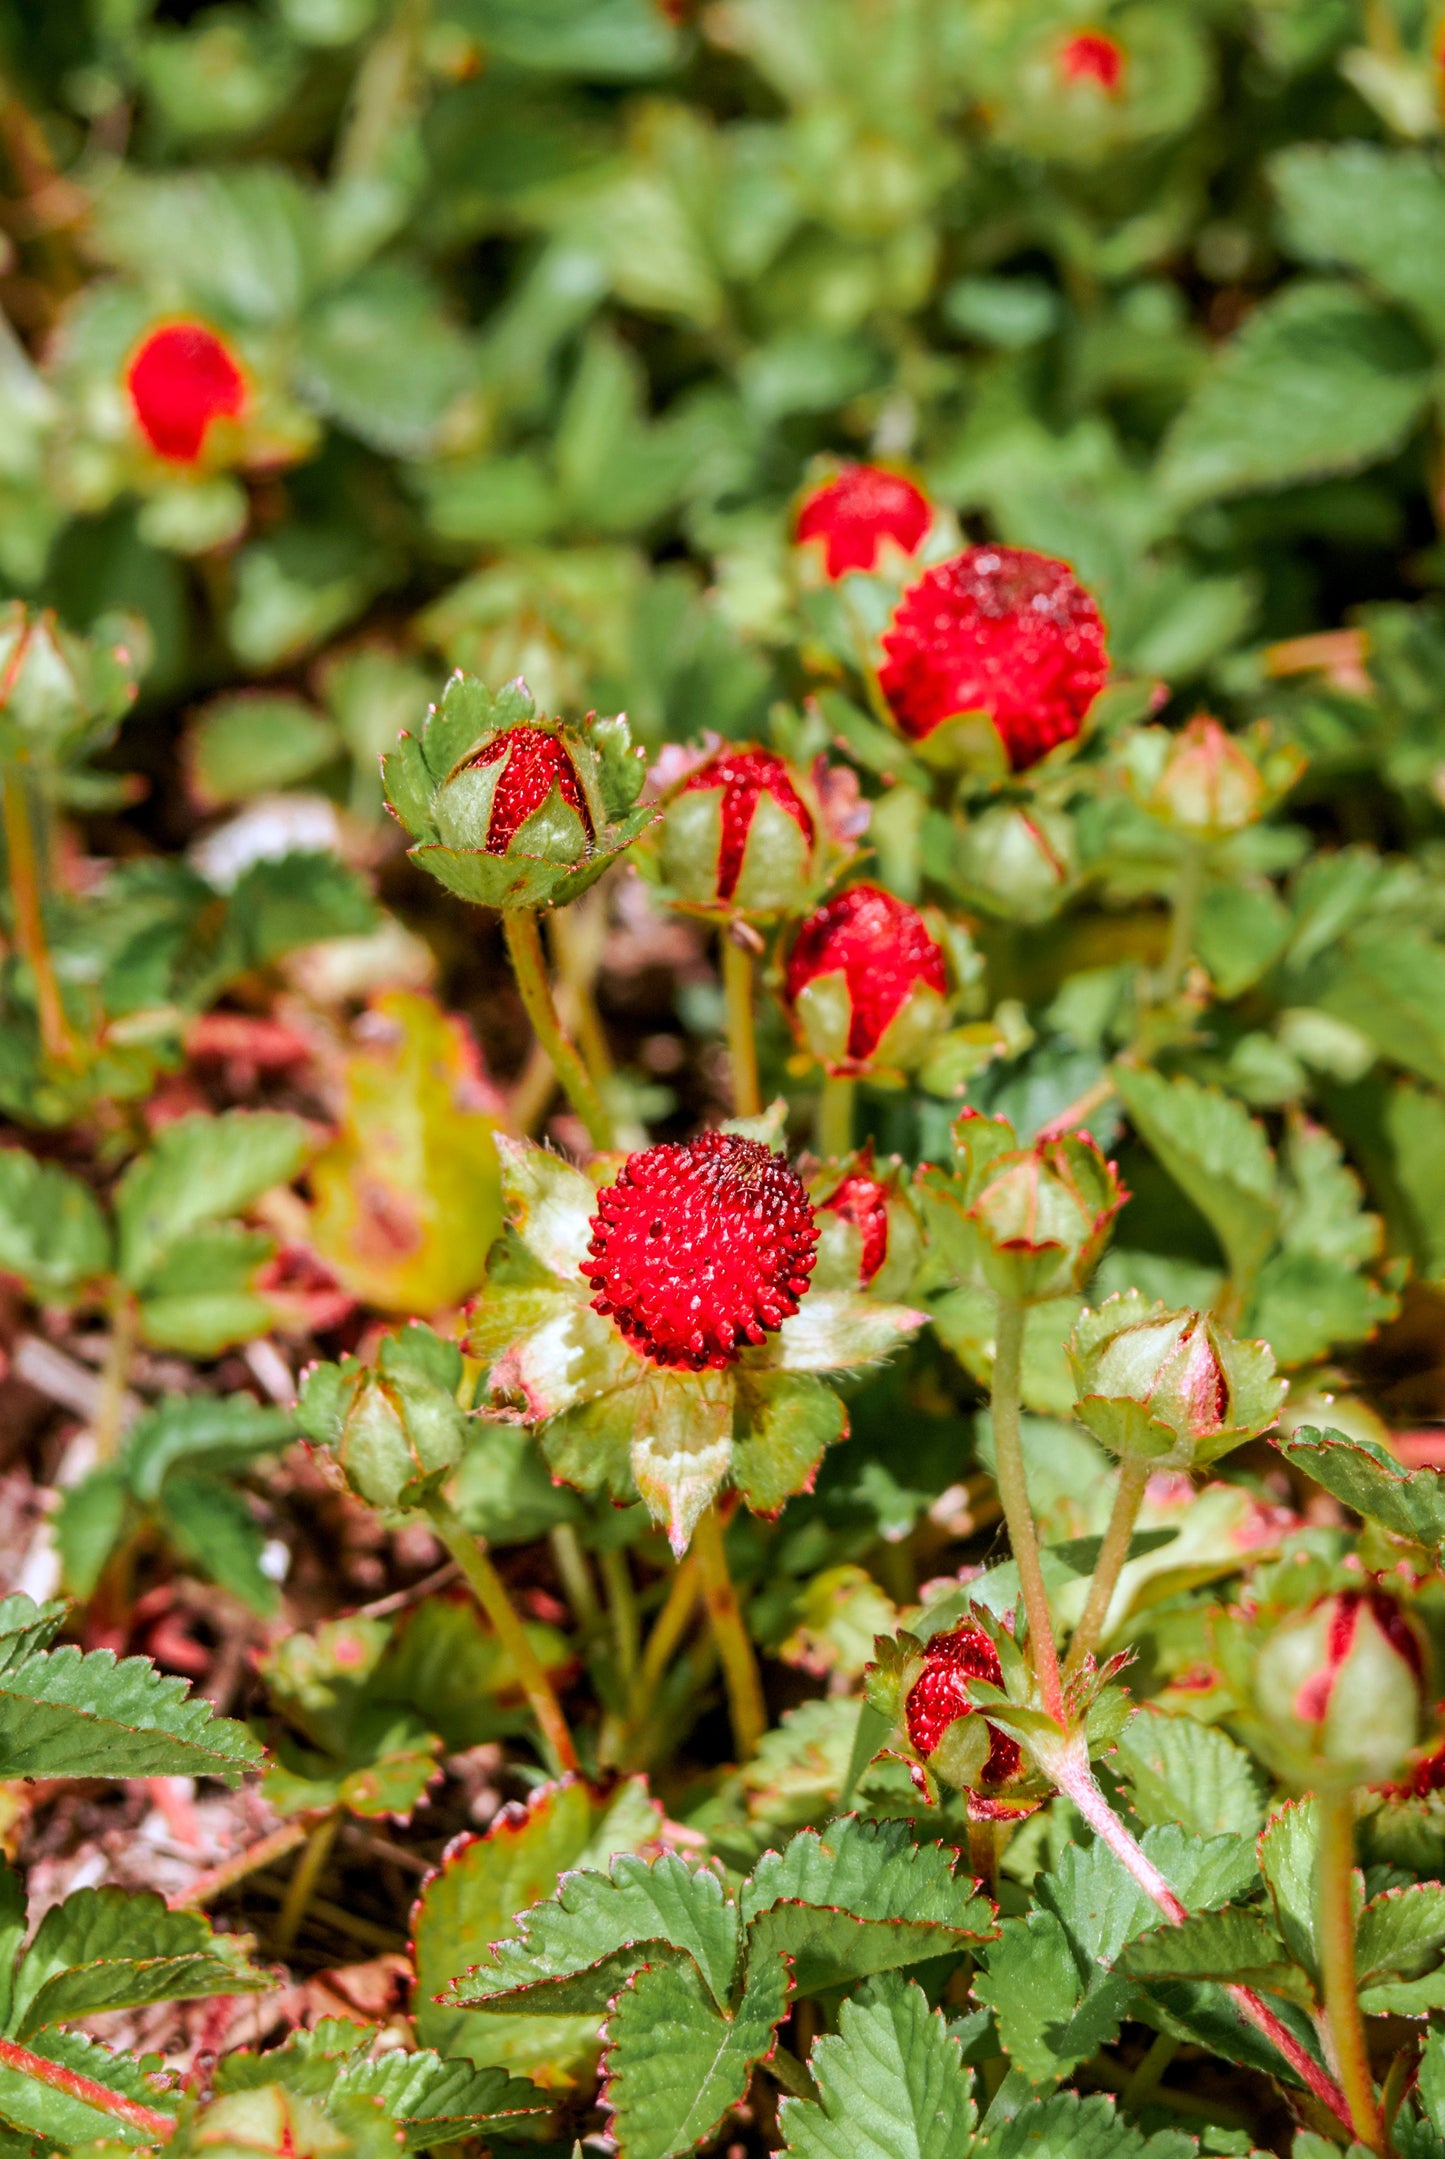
(744, 775)
(700, 1248)
(939, 1696)
(863, 1201)
(180, 379)
(536, 762)
(1092, 57)
(881, 945)
(999, 630)
(856, 511)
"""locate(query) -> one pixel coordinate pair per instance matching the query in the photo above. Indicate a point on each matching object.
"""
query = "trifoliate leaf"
(675, 2063)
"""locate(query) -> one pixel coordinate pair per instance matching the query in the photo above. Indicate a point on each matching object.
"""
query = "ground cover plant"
(722, 1045)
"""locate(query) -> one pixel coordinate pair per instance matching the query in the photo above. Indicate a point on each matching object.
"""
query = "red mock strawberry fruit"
(1093, 57)
(743, 777)
(853, 514)
(999, 630)
(864, 967)
(701, 1248)
(181, 378)
(533, 763)
(863, 1201)
(939, 1696)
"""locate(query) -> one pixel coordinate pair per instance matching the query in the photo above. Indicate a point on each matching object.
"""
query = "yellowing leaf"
(407, 1195)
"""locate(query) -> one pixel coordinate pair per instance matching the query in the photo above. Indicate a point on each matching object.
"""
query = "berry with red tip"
(761, 847)
(533, 763)
(701, 1248)
(1093, 57)
(1340, 1686)
(181, 379)
(999, 630)
(853, 515)
(863, 1201)
(866, 979)
(939, 1697)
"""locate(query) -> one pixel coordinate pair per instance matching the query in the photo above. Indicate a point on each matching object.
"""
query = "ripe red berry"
(863, 1201)
(881, 946)
(744, 775)
(1003, 631)
(939, 1696)
(181, 379)
(857, 510)
(700, 1248)
(535, 763)
(1092, 57)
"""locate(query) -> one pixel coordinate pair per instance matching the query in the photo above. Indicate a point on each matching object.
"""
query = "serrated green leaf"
(52, 1232)
(1217, 1154)
(198, 1171)
(891, 2084)
(574, 1951)
(104, 1949)
(211, 1525)
(1069, 2127)
(1035, 1989)
(1289, 1861)
(1179, 1770)
(1409, 1503)
(1319, 380)
(474, 1898)
(1373, 209)
(67, 1715)
(436, 2102)
(859, 1897)
(785, 1422)
(674, 2063)
(1400, 1929)
(1232, 1945)
(196, 1431)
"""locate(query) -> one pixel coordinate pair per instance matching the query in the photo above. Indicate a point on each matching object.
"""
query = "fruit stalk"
(740, 1665)
(1335, 1931)
(1013, 1492)
(490, 1592)
(737, 974)
(524, 949)
(1113, 1552)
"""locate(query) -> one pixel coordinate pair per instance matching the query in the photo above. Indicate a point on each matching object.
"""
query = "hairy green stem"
(1183, 921)
(835, 1117)
(115, 1372)
(1145, 2081)
(1128, 1498)
(301, 1888)
(734, 1644)
(619, 1741)
(737, 974)
(1335, 1931)
(574, 1574)
(31, 942)
(490, 1592)
(524, 949)
(1013, 1492)
(622, 1604)
(1067, 1765)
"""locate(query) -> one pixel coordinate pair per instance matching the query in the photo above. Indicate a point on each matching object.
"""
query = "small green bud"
(1170, 1388)
(1016, 861)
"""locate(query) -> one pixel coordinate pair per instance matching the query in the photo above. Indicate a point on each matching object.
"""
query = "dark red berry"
(536, 762)
(863, 1201)
(1003, 631)
(700, 1248)
(181, 379)
(857, 510)
(1092, 57)
(883, 948)
(939, 1696)
(744, 775)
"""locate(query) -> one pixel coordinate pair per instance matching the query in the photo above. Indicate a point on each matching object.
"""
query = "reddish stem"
(1071, 1772)
(60, 2079)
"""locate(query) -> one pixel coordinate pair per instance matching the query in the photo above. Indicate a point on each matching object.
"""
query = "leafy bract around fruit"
(448, 787)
